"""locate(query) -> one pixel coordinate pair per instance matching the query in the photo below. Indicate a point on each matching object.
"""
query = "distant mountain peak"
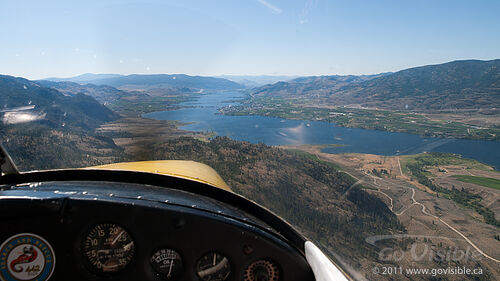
(83, 78)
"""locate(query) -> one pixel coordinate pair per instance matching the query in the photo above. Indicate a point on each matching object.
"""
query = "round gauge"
(167, 263)
(213, 267)
(262, 270)
(108, 248)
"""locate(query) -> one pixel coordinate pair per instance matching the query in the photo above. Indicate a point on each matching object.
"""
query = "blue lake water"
(276, 131)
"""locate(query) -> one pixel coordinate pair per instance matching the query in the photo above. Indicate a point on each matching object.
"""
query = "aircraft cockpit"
(136, 222)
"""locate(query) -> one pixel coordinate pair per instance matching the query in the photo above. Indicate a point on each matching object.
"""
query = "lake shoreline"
(205, 117)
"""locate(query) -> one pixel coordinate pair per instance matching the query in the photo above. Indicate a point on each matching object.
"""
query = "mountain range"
(248, 81)
(148, 81)
(103, 93)
(457, 85)
(84, 78)
(467, 84)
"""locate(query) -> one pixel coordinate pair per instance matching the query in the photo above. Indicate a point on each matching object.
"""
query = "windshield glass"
(372, 127)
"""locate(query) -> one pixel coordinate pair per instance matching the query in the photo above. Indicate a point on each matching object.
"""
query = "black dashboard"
(90, 230)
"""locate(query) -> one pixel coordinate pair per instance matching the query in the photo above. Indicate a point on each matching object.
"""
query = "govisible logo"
(26, 256)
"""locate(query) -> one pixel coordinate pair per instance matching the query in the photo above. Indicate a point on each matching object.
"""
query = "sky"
(40, 39)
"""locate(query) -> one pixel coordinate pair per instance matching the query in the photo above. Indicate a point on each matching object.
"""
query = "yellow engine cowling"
(190, 170)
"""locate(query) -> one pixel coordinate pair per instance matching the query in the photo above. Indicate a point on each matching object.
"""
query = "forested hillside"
(24, 98)
(312, 195)
(43, 128)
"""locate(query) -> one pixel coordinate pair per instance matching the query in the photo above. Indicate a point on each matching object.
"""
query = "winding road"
(377, 182)
(424, 211)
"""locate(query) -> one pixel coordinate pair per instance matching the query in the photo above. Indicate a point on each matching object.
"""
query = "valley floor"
(421, 211)
(137, 134)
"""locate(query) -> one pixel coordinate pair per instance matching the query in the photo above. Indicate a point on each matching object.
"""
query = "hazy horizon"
(237, 75)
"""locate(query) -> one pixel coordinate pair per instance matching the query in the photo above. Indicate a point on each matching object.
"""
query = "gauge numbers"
(108, 248)
(213, 267)
(167, 263)
(262, 270)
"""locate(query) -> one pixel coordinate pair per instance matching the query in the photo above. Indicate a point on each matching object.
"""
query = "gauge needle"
(128, 246)
(170, 269)
(215, 259)
(117, 237)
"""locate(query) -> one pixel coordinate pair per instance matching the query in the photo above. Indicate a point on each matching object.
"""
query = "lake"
(203, 115)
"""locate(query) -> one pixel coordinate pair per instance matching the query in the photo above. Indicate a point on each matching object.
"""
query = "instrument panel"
(117, 238)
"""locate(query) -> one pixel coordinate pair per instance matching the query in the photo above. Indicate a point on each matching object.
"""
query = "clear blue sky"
(40, 39)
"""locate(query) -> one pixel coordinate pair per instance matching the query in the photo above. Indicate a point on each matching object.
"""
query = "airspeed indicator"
(108, 248)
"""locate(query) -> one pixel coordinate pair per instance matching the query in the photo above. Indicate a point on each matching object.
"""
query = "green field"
(483, 181)
(434, 159)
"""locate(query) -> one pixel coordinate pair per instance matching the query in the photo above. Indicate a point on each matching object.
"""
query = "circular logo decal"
(26, 256)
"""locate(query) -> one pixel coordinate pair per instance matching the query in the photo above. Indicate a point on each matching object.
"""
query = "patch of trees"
(380, 173)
